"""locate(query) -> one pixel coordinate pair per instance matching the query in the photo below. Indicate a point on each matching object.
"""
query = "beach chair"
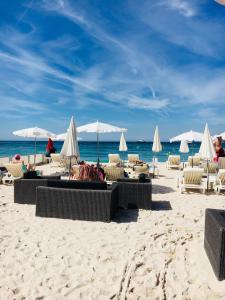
(56, 160)
(192, 179)
(220, 181)
(221, 163)
(114, 159)
(210, 168)
(194, 161)
(132, 159)
(113, 173)
(141, 169)
(4, 160)
(14, 172)
(173, 162)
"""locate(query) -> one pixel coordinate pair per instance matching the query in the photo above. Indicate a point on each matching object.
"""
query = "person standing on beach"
(218, 148)
(50, 148)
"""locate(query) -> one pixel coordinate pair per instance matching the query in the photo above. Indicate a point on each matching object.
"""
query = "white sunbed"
(14, 172)
(192, 178)
(114, 159)
(220, 181)
(132, 159)
(221, 163)
(4, 160)
(173, 162)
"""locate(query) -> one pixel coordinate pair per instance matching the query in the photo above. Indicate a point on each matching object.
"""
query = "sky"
(131, 63)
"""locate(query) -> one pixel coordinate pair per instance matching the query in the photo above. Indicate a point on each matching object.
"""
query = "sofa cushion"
(75, 184)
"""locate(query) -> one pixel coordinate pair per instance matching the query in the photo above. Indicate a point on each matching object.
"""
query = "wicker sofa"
(25, 189)
(214, 240)
(135, 193)
(76, 200)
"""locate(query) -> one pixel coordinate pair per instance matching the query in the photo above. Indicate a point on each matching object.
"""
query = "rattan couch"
(214, 241)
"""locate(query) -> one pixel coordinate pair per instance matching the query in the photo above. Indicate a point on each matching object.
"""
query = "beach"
(145, 254)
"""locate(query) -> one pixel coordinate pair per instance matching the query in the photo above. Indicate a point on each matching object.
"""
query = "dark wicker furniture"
(135, 193)
(25, 189)
(77, 204)
(214, 241)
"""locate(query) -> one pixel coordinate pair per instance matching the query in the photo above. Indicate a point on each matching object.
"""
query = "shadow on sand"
(126, 216)
(161, 205)
(160, 189)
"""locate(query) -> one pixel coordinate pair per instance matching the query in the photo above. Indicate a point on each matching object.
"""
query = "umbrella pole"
(35, 150)
(207, 175)
(98, 150)
(154, 165)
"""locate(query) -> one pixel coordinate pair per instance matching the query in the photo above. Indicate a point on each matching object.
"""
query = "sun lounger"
(4, 160)
(220, 181)
(173, 162)
(57, 160)
(192, 179)
(221, 163)
(210, 168)
(14, 172)
(194, 161)
(132, 159)
(113, 173)
(141, 169)
(114, 159)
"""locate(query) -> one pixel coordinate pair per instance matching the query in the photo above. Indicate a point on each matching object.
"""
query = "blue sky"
(131, 63)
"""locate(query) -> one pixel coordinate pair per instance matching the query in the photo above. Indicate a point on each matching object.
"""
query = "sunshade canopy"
(189, 136)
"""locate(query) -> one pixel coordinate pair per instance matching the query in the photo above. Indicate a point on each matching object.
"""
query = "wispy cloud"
(184, 7)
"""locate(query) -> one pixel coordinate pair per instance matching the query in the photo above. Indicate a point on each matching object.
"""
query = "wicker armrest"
(214, 241)
(25, 190)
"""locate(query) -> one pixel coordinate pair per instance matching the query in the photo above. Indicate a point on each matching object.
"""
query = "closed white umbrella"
(184, 147)
(98, 128)
(70, 146)
(189, 136)
(123, 144)
(207, 150)
(34, 132)
(156, 147)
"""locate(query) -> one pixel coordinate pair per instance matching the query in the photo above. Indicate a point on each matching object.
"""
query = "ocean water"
(88, 149)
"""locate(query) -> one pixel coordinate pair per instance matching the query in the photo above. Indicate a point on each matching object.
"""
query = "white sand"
(155, 254)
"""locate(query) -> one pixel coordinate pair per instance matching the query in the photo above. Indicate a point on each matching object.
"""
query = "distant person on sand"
(17, 159)
(50, 148)
(218, 148)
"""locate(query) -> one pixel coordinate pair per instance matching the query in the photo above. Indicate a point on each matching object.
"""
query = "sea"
(88, 149)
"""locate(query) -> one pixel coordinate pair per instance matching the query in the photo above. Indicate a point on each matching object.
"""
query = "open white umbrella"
(98, 128)
(189, 136)
(62, 137)
(207, 150)
(70, 146)
(34, 132)
(156, 147)
(221, 134)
